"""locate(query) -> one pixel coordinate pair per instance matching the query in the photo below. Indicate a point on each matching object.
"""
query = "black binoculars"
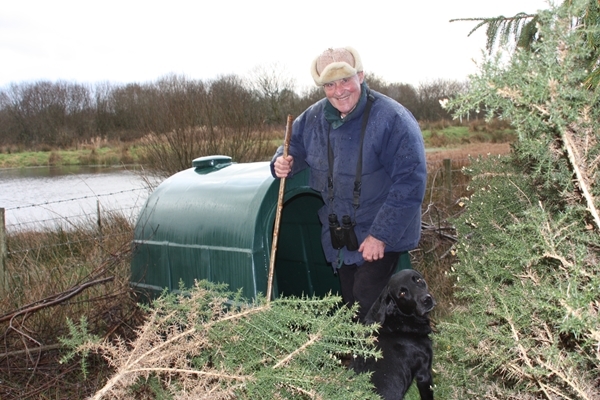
(343, 235)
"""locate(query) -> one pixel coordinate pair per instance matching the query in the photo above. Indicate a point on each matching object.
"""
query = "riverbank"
(440, 142)
(105, 154)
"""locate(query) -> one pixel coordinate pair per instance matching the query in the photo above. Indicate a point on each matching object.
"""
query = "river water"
(50, 196)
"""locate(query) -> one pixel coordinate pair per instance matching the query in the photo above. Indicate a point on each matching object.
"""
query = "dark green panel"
(301, 267)
(150, 268)
(216, 221)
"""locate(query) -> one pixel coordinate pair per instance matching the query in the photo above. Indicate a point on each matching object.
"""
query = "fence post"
(99, 216)
(448, 181)
(3, 277)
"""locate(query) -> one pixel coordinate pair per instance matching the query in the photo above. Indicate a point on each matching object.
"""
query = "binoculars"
(343, 235)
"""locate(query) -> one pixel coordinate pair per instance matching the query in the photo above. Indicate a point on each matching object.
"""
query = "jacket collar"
(332, 115)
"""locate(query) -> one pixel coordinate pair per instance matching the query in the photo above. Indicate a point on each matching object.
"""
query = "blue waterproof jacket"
(394, 171)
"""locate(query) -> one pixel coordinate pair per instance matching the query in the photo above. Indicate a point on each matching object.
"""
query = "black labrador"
(402, 309)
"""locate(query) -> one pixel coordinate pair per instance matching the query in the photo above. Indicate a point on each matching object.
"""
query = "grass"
(459, 135)
(107, 155)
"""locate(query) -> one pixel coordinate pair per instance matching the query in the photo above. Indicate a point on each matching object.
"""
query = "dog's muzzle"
(428, 303)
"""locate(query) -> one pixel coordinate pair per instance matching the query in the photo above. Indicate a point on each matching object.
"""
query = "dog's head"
(406, 294)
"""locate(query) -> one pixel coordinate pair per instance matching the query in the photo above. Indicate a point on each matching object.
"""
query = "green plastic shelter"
(215, 221)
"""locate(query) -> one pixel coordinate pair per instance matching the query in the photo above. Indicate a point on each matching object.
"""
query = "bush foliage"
(526, 324)
(527, 320)
(206, 343)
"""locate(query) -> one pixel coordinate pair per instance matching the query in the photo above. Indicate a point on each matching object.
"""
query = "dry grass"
(466, 151)
(53, 275)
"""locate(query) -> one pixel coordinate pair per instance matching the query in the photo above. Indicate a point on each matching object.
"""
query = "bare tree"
(53, 113)
(275, 89)
(430, 94)
(236, 119)
(194, 119)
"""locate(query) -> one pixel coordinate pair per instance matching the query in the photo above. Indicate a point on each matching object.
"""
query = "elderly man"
(367, 159)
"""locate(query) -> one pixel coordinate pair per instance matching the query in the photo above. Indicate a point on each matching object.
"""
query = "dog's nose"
(428, 302)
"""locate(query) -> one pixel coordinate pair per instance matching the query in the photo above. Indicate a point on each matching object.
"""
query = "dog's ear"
(383, 306)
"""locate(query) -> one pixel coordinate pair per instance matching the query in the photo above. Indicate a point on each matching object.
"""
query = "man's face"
(344, 94)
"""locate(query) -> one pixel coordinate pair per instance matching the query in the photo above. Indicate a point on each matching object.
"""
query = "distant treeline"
(63, 114)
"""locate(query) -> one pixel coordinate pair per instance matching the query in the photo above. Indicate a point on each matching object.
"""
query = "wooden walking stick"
(286, 145)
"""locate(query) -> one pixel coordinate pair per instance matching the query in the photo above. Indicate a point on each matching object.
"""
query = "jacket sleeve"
(403, 157)
(296, 148)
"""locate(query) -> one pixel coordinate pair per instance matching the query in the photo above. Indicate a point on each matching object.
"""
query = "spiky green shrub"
(528, 293)
(526, 324)
(207, 344)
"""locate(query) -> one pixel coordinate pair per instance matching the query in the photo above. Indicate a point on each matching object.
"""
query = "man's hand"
(372, 249)
(283, 166)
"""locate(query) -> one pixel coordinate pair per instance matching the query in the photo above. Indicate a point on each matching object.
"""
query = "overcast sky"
(128, 41)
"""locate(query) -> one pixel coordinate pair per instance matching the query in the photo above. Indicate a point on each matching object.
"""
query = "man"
(366, 156)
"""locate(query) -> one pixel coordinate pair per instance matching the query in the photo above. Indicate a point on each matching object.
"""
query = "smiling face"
(344, 93)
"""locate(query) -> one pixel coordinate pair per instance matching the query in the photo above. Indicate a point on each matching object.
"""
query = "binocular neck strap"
(358, 178)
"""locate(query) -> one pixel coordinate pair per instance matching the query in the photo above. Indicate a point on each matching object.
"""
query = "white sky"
(126, 41)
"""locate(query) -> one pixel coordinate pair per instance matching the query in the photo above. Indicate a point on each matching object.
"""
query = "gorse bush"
(527, 319)
(528, 283)
(207, 343)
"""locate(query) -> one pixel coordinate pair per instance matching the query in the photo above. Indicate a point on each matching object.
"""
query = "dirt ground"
(469, 150)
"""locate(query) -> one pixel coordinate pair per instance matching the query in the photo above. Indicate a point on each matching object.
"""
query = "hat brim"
(336, 70)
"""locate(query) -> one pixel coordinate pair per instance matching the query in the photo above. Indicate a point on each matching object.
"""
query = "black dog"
(402, 311)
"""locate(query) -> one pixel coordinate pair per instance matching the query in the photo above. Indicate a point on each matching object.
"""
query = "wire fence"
(447, 182)
(446, 185)
(95, 196)
(92, 212)
(67, 243)
(69, 220)
(90, 207)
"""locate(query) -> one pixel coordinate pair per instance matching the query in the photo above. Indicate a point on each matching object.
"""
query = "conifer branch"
(565, 377)
(242, 378)
(567, 137)
(528, 239)
(311, 394)
(129, 365)
(523, 352)
(127, 368)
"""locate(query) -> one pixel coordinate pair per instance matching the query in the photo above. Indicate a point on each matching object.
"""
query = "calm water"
(52, 195)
